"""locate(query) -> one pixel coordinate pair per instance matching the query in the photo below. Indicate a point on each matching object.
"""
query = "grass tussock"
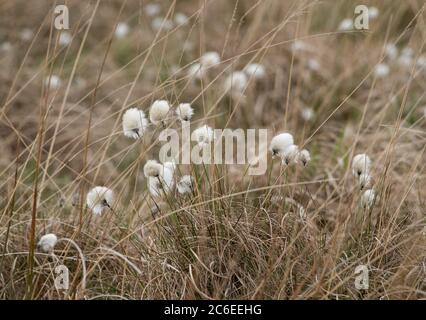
(295, 232)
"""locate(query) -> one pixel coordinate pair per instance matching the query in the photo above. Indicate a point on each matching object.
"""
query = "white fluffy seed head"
(162, 184)
(99, 198)
(364, 180)
(360, 165)
(159, 23)
(47, 242)
(314, 64)
(346, 25)
(421, 62)
(152, 9)
(5, 47)
(373, 12)
(152, 169)
(26, 34)
(391, 51)
(196, 70)
(255, 71)
(210, 59)
(65, 38)
(381, 70)
(170, 165)
(280, 142)
(54, 82)
(300, 45)
(307, 114)
(203, 135)
(185, 184)
(236, 82)
(158, 111)
(368, 198)
(290, 154)
(184, 112)
(406, 57)
(181, 19)
(134, 123)
(304, 157)
(122, 30)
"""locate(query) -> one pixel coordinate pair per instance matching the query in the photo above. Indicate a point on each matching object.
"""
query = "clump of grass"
(186, 231)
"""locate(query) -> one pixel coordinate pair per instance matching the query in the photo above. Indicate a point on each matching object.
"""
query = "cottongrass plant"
(185, 185)
(203, 135)
(361, 164)
(47, 242)
(282, 146)
(279, 143)
(184, 112)
(236, 83)
(99, 198)
(290, 154)
(255, 71)
(201, 231)
(122, 30)
(134, 123)
(161, 179)
(159, 111)
(207, 61)
(368, 198)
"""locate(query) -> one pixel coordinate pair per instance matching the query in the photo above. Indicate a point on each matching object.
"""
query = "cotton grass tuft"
(99, 198)
(134, 123)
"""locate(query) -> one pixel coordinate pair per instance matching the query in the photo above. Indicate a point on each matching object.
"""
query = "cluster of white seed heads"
(282, 146)
(361, 165)
(135, 123)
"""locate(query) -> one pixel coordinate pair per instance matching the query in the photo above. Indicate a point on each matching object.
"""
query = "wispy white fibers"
(134, 123)
(203, 135)
(185, 184)
(170, 165)
(159, 111)
(364, 180)
(290, 154)
(5, 47)
(196, 71)
(152, 168)
(346, 25)
(99, 198)
(207, 61)
(421, 62)
(279, 143)
(122, 30)
(236, 83)
(53, 82)
(381, 70)
(360, 165)
(181, 19)
(307, 114)
(406, 57)
(152, 9)
(314, 64)
(184, 112)
(368, 198)
(210, 59)
(255, 71)
(163, 183)
(299, 45)
(26, 34)
(65, 38)
(304, 157)
(161, 23)
(373, 12)
(391, 51)
(47, 242)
